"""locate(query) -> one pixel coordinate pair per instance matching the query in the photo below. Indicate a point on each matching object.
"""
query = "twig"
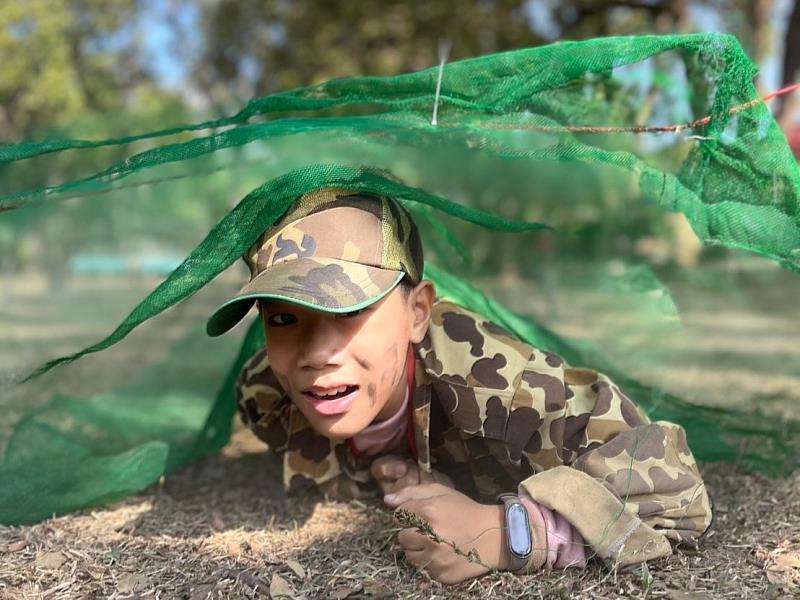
(410, 519)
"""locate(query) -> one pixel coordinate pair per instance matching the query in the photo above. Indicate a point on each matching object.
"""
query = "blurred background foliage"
(105, 68)
(616, 271)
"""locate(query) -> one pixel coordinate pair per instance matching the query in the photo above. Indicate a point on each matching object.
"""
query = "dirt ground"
(222, 528)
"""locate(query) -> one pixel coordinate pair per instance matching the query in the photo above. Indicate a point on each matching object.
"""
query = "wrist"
(501, 558)
(517, 532)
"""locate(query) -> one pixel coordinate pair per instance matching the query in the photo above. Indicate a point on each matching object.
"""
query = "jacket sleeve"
(261, 403)
(630, 487)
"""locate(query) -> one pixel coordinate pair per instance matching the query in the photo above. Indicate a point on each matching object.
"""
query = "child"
(368, 380)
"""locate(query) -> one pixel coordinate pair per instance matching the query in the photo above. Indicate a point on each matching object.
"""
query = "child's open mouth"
(331, 401)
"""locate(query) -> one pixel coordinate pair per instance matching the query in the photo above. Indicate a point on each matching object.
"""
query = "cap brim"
(325, 284)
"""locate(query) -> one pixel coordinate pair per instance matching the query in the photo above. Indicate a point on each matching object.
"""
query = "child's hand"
(458, 519)
(393, 473)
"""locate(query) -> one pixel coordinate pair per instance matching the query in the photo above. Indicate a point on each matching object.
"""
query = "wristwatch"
(519, 539)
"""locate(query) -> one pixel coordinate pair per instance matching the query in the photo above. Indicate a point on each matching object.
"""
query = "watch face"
(519, 530)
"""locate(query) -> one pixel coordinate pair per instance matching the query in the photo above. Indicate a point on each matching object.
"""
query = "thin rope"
(444, 51)
(649, 129)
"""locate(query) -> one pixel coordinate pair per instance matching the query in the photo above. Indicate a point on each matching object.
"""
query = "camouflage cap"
(335, 250)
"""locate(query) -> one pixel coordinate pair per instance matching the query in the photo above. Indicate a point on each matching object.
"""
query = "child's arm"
(607, 482)
(629, 487)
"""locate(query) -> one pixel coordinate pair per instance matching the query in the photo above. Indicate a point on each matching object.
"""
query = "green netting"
(537, 146)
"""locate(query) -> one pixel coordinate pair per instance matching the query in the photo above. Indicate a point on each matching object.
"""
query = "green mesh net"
(547, 182)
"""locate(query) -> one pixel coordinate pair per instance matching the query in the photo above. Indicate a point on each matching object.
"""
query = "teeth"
(332, 392)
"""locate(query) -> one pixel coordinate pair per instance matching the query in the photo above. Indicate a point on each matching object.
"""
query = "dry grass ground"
(222, 528)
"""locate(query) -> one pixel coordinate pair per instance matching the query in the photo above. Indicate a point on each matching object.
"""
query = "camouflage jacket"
(495, 413)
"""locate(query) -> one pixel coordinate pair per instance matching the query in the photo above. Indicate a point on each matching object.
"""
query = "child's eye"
(281, 319)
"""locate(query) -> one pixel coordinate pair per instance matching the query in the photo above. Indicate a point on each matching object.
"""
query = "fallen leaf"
(250, 580)
(296, 568)
(16, 546)
(343, 591)
(201, 592)
(132, 582)
(217, 522)
(375, 589)
(782, 565)
(280, 588)
(50, 560)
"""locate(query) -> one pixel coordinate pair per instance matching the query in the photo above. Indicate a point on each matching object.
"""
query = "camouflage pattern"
(495, 413)
(325, 283)
(335, 250)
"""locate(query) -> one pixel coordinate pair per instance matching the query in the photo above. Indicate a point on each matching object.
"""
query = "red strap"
(353, 447)
(412, 438)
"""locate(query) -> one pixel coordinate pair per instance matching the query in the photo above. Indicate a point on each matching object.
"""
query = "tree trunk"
(790, 106)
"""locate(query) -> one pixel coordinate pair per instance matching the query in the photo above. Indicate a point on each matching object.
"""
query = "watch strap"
(518, 562)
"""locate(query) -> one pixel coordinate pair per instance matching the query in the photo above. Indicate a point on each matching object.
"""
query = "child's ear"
(421, 300)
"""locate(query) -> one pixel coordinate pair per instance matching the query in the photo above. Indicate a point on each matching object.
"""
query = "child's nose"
(322, 343)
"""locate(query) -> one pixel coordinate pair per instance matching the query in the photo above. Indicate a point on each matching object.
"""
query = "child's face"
(345, 371)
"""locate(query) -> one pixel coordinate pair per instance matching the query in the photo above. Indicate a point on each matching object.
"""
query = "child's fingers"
(390, 467)
(443, 479)
(411, 540)
(422, 559)
(435, 477)
(422, 492)
(394, 499)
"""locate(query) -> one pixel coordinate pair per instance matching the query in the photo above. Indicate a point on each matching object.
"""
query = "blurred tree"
(62, 58)
(582, 19)
(66, 61)
(255, 48)
(790, 107)
(74, 68)
(791, 54)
